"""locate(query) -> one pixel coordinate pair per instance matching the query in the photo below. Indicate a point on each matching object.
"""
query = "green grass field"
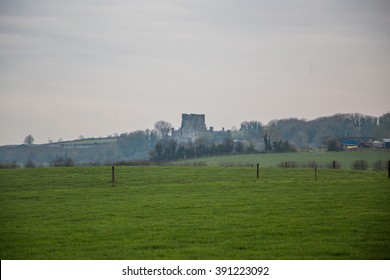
(185, 212)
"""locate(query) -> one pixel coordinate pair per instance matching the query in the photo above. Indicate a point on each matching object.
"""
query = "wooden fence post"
(334, 164)
(315, 173)
(388, 169)
(113, 176)
(258, 171)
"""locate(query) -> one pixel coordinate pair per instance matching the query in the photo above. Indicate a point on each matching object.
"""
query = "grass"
(188, 212)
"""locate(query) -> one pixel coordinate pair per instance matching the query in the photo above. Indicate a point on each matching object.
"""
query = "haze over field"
(93, 68)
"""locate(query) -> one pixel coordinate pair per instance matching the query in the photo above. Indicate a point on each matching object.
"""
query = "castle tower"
(192, 127)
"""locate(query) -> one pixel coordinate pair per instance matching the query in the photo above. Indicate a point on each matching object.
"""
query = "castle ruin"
(192, 127)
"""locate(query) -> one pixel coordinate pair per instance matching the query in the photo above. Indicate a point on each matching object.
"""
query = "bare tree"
(163, 128)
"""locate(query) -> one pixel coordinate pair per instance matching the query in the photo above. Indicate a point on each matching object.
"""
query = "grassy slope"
(193, 213)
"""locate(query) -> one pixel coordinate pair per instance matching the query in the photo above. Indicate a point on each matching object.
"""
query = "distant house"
(350, 142)
(386, 143)
(377, 145)
(357, 142)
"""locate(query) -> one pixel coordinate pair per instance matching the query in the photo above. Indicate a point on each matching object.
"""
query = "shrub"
(379, 165)
(62, 162)
(9, 165)
(360, 165)
(199, 163)
(312, 164)
(334, 146)
(133, 163)
(29, 164)
(288, 164)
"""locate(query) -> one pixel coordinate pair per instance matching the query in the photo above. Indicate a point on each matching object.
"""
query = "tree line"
(171, 150)
(284, 135)
(310, 133)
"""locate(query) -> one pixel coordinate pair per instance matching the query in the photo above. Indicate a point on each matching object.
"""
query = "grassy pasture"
(345, 159)
(185, 212)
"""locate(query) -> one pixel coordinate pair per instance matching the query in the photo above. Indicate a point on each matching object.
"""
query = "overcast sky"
(94, 68)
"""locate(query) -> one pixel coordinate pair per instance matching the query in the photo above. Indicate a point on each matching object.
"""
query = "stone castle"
(192, 127)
